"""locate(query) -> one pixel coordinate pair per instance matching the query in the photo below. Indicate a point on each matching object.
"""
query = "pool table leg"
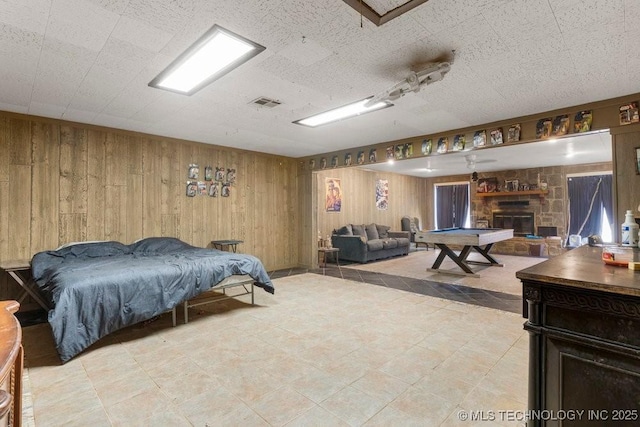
(485, 253)
(458, 259)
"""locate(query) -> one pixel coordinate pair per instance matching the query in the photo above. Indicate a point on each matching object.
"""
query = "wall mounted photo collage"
(545, 128)
(215, 181)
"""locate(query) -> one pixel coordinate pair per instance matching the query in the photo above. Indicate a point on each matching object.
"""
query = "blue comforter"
(97, 288)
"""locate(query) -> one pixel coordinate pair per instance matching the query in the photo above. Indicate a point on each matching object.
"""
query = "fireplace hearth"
(522, 222)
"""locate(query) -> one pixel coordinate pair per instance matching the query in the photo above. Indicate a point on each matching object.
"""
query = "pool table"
(480, 239)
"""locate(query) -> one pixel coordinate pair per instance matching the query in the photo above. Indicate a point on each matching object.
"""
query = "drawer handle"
(5, 403)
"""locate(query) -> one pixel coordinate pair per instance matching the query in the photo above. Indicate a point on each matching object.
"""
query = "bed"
(96, 288)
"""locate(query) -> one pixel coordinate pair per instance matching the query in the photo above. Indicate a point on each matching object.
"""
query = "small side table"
(18, 270)
(229, 244)
(322, 256)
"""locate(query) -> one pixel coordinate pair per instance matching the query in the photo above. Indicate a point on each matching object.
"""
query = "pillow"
(383, 231)
(372, 232)
(344, 231)
(94, 249)
(152, 245)
(358, 230)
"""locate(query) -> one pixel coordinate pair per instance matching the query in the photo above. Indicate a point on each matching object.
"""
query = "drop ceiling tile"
(575, 14)
(29, 15)
(80, 23)
(522, 19)
(169, 16)
(115, 6)
(54, 111)
(81, 116)
(21, 44)
(16, 87)
(141, 34)
(123, 58)
(304, 52)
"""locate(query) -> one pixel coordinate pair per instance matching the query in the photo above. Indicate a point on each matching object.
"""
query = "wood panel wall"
(625, 175)
(407, 196)
(62, 182)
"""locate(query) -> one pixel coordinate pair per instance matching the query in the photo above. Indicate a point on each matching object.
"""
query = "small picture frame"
(482, 223)
(194, 171)
(637, 160)
(487, 185)
(219, 173)
(208, 173)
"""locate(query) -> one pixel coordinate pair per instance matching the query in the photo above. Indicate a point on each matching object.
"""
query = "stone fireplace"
(522, 222)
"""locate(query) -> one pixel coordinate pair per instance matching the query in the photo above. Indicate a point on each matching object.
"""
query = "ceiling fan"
(434, 72)
(472, 161)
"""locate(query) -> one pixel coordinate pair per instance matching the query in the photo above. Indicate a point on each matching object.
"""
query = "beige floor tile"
(322, 351)
(282, 406)
(353, 406)
(317, 417)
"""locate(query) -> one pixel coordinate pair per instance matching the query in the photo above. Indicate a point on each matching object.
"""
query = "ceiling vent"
(265, 102)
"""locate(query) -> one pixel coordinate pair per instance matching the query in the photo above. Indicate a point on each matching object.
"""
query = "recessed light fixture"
(350, 110)
(213, 55)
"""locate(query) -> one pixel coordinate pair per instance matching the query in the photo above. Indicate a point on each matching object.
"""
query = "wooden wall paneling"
(264, 202)
(19, 141)
(152, 188)
(96, 183)
(246, 192)
(239, 197)
(73, 228)
(4, 149)
(135, 221)
(187, 155)
(626, 179)
(115, 221)
(45, 196)
(19, 211)
(201, 219)
(307, 218)
(73, 169)
(173, 188)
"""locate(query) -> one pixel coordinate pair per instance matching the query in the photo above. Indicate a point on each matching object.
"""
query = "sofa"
(363, 243)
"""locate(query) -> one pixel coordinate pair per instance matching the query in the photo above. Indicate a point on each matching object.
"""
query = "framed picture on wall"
(637, 160)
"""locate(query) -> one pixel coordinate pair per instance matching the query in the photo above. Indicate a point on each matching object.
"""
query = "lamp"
(350, 110)
(213, 55)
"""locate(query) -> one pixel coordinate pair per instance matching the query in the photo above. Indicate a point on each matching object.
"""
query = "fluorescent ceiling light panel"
(216, 53)
(350, 110)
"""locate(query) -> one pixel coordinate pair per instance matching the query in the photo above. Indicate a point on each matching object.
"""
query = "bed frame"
(213, 294)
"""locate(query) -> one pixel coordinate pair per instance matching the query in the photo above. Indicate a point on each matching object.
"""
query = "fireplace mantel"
(540, 193)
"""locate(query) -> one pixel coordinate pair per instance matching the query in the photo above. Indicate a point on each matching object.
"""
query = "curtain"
(453, 205)
(589, 197)
(461, 206)
(444, 202)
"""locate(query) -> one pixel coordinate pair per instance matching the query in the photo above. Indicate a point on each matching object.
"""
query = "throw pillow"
(383, 231)
(358, 230)
(345, 231)
(372, 232)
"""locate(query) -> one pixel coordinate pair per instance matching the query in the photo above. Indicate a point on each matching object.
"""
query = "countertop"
(583, 268)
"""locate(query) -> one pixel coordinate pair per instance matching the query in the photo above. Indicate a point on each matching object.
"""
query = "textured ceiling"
(90, 61)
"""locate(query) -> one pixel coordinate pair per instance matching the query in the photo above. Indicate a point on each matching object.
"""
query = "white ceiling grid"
(91, 60)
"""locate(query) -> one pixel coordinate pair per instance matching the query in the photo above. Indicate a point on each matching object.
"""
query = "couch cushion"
(345, 231)
(390, 243)
(375, 245)
(383, 231)
(372, 232)
(358, 230)
(402, 241)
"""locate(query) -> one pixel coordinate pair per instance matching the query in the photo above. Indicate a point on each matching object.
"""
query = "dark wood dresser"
(584, 341)
(11, 359)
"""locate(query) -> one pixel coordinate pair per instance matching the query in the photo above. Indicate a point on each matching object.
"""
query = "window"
(452, 205)
(590, 205)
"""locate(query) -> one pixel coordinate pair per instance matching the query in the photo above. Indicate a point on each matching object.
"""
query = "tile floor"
(322, 351)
